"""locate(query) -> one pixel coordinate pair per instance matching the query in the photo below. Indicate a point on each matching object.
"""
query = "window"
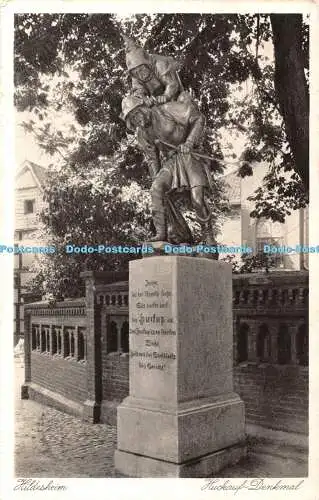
(269, 233)
(29, 206)
(242, 343)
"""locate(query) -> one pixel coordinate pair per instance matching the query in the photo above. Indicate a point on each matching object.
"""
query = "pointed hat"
(135, 55)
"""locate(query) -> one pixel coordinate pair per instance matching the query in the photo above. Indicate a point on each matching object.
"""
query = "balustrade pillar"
(252, 336)
(40, 330)
(27, 355)
(62, 341)
(76, 343)
(293, 331)
(273, 333)
(119, 324)
(92, 406)
(50, 337)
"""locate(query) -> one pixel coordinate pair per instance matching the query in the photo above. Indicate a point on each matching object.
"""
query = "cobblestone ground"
(49, 443)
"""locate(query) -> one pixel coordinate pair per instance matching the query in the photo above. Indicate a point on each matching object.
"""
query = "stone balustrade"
(270, 314)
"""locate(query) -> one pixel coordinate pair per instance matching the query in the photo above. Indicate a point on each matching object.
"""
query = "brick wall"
(115, 376)
(64, 376)
(275, 396)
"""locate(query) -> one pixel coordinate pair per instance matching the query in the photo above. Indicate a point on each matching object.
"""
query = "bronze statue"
(170, 135)
(169, 129)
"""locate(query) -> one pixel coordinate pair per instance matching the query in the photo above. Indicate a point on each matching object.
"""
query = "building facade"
(240, 229)
(29, 183)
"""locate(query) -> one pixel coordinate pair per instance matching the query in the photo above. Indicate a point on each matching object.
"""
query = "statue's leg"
(160, 186)
(203, 215)
(198, 202)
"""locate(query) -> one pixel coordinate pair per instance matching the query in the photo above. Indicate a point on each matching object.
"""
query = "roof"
(232, 187)
(40, 173)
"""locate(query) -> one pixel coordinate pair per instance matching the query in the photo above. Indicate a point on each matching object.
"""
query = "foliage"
(248, 263)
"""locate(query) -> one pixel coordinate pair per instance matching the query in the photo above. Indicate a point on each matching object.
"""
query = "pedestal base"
(182, 417)
(133, 465)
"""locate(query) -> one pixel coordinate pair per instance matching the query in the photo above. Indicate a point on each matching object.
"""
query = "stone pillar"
(293, 331)
(252, 341)
(76, 343)
(41, 343)
(92, 406)
(273, 332)
(63, 330)
(51, 339)
(182, 417)
(27, 355)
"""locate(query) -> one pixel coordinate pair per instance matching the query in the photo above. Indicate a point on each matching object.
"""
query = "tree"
(291, 87)
(75, 63)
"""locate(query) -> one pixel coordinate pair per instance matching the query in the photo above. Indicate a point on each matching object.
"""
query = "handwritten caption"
(218, 484)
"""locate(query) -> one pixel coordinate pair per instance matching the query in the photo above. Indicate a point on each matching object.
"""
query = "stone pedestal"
(182, 418)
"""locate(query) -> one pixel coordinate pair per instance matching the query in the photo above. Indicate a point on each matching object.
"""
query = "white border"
(138, 488)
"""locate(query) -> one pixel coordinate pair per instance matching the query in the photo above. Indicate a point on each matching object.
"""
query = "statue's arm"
(171, 84)
(151, 153)
(197, 128)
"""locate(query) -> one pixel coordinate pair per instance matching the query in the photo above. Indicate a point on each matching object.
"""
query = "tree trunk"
(291, 87)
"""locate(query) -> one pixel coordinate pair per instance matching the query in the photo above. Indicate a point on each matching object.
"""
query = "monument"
(181, 418)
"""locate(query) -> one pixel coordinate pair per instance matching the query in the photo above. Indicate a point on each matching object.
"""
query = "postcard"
(159, 249)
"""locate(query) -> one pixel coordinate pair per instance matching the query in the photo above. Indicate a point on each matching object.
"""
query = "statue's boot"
(159, 217)
(208, 237)
(160, 226)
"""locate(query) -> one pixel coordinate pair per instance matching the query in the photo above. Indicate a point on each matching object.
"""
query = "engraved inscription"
(151, 322)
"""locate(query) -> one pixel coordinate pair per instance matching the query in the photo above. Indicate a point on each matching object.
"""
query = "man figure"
(174, 167)
(154, 77)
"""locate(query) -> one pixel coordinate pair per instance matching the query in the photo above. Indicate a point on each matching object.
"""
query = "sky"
(26, 147)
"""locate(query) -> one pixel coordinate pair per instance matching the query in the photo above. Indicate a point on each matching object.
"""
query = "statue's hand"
(161, 99)
(185, 149)
(149, 101)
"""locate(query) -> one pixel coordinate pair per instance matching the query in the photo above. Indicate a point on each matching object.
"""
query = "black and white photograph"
(161, 247)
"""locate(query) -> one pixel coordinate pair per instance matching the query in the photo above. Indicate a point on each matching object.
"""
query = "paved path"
(50, 443)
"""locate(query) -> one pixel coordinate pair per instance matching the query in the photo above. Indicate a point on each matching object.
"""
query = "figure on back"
(154, 78)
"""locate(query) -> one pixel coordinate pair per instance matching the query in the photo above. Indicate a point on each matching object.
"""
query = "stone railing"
(113, 295)
(59, 329)
(273, 291)
(271, 317)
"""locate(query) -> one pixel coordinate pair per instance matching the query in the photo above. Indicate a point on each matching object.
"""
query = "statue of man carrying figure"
(169, 129)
